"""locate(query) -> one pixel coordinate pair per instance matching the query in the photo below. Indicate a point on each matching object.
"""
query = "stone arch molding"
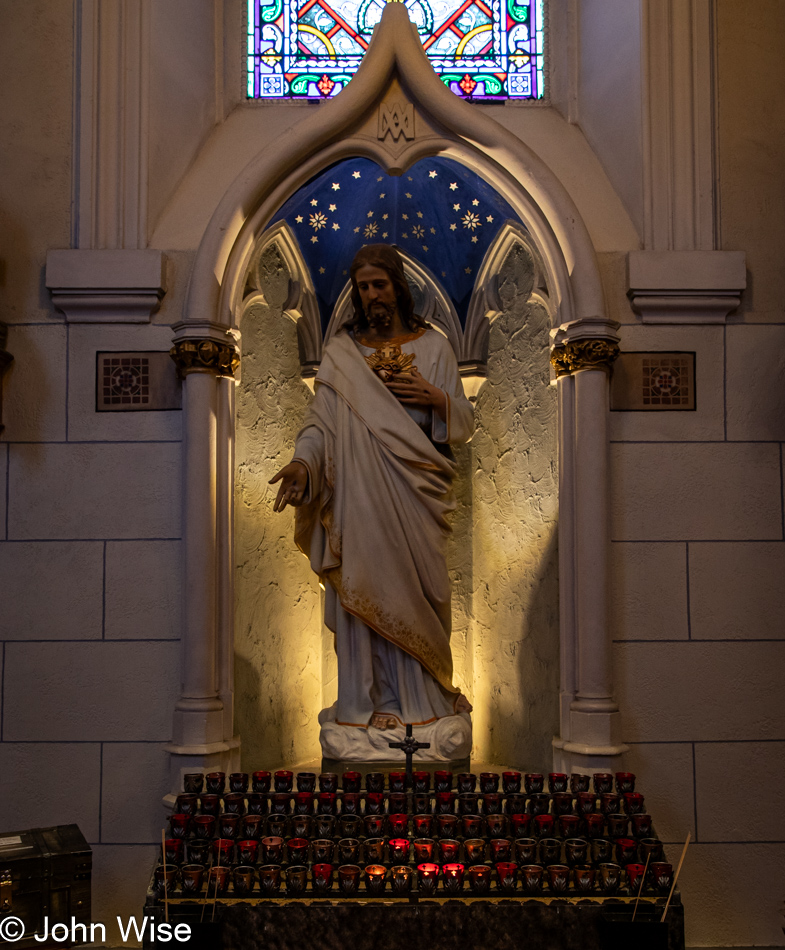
(300, 305)
(395, 111)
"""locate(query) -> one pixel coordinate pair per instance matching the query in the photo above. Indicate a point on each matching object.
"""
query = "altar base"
(591, 924)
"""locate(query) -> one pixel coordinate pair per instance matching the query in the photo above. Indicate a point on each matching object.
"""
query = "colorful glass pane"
(310, 49)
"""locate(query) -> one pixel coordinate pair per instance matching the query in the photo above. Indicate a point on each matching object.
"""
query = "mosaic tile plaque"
(648, 382)
(133, 382)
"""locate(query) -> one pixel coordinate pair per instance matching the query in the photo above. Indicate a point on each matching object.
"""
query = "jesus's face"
(377, 294)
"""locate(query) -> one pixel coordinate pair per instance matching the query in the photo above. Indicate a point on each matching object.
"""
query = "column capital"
(205, 355)
(583, 354)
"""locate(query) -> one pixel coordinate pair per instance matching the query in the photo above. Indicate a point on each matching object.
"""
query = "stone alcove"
(503, 555)
(396, 76)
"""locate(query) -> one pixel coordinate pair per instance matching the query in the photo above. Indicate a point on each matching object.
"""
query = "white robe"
(374, 527)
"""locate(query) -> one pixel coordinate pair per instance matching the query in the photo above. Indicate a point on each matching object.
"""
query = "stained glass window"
(310, 49)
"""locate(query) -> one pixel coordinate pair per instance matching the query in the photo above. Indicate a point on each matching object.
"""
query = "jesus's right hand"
(294, 484)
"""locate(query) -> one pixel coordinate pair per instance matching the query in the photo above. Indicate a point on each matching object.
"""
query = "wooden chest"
(44, 880)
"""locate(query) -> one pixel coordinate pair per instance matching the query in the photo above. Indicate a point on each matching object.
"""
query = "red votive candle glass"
(423, 849)
(427, 876)
(449, 849)
(557, 782)
(452, 878)
(511, 782)
(375, 878)
(260, 781)
(283, 780)
(397, 781)
(399, 850)
(399, 825)
(625, 782)
(442, 781)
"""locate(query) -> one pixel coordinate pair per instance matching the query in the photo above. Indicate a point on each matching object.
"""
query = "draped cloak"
(374, 523)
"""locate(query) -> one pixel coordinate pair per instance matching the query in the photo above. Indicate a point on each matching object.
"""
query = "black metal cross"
(409, 745)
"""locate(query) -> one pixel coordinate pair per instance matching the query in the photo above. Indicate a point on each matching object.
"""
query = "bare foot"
(383, 721)
(462, 704)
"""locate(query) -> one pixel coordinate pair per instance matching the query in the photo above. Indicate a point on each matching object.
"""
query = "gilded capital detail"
(583, 354)
(205, 356)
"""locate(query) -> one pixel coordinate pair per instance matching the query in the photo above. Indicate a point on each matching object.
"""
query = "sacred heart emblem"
(388, 361)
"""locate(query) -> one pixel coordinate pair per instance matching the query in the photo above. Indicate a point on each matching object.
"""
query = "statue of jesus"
(371, 479)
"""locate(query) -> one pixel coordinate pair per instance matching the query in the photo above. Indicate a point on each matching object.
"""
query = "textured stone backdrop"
(502, 556)
(515, 592)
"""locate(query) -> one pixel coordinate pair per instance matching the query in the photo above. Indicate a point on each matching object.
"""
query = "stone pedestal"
(450, 740)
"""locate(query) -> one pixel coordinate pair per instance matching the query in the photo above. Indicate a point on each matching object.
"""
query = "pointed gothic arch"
(395, 76)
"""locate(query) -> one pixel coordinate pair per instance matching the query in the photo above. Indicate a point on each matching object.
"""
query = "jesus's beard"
(380, 315)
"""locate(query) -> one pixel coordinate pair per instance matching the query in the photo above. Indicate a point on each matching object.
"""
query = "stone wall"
(515, 621)
(90, 520)
(698, 550)
(278, 627)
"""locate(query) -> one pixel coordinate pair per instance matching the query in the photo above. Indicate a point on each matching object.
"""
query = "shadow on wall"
(515, 615)
(278, 613)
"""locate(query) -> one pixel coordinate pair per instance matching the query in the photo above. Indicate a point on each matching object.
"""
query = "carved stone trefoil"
(583, 354)
(205, 356)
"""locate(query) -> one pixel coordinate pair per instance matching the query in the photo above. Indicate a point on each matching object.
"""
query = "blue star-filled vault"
(439, 212)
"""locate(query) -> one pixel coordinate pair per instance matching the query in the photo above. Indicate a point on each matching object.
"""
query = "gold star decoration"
(475, 202)
(356, 175)
(299, 219)
(432, 174)
(333, 207)
(314, 202)
(456, 207)
(453, 185)
(336, 226)
(336, 186)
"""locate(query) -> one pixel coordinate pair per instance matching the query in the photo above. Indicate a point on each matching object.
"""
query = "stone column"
(206, 358)
(590, 720)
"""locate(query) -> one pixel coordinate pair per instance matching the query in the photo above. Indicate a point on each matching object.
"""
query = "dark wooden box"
(45, 877)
